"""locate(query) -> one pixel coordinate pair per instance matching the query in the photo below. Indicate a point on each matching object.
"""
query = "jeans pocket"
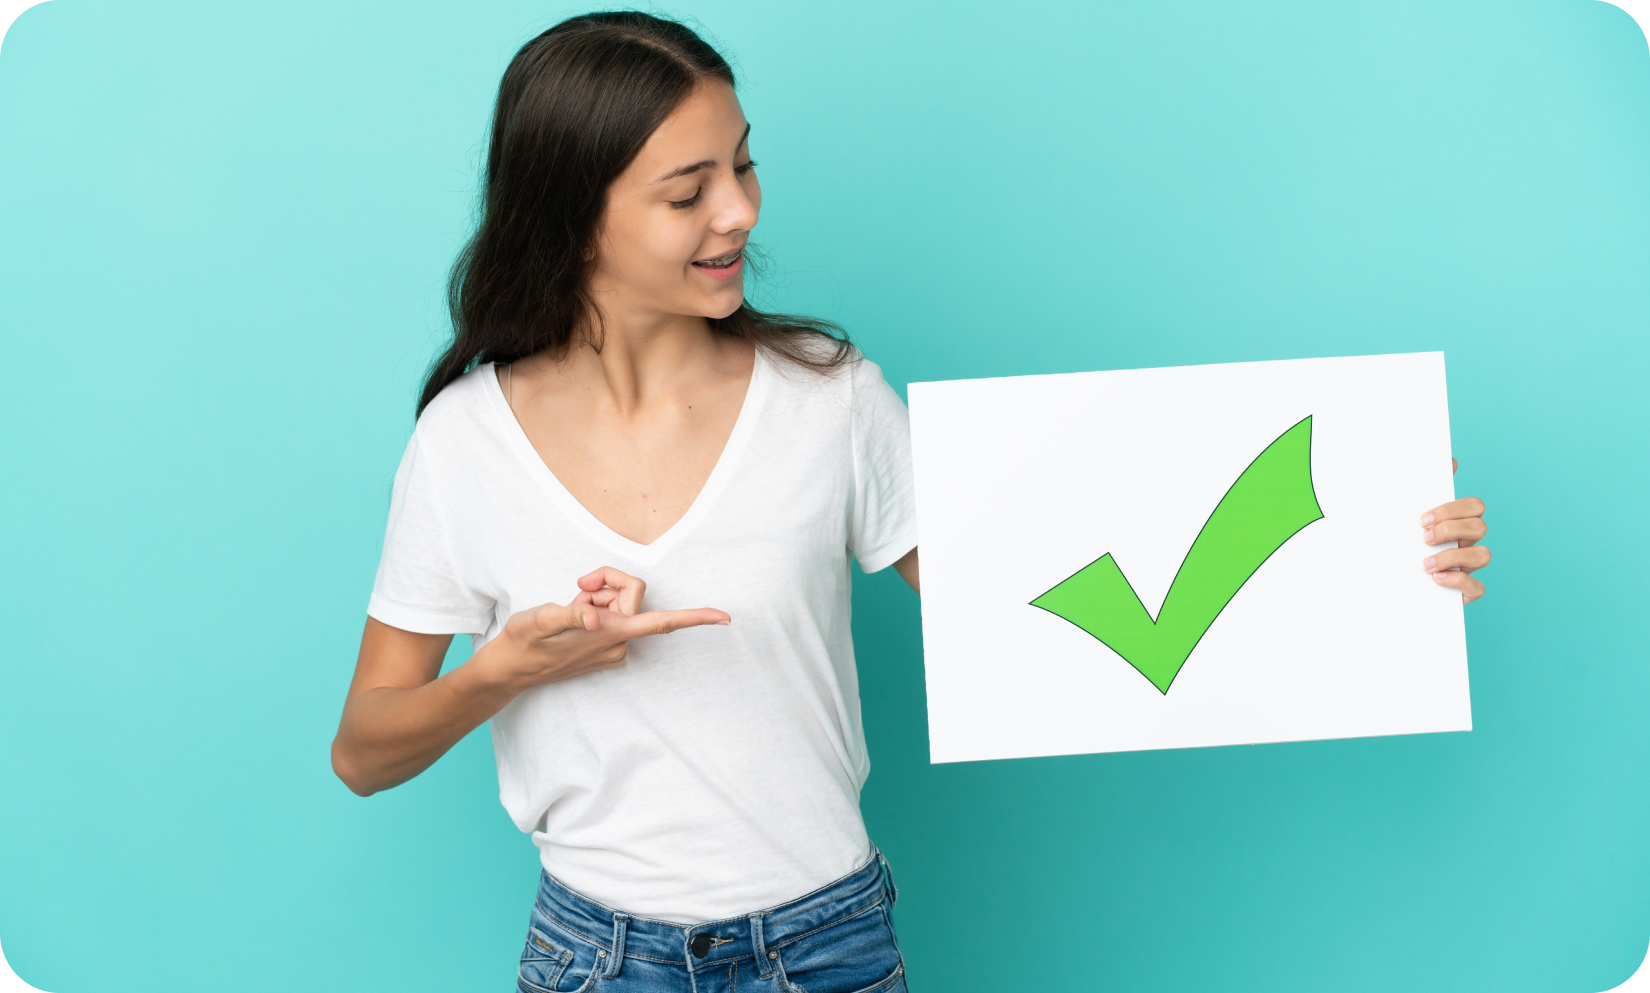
(542, 962)
(557, 959)
(854, 955)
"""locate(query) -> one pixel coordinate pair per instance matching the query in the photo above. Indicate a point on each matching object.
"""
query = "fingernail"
(724, 623)
(1426, 520)
(1428, 536)
(1437, 577)
(1428, 562)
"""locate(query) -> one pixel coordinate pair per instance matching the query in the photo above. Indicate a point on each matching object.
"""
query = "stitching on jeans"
(869, 861)
(628, 953)
(887, 984)
(822, 927)
(535, 939)
(589, 981)
(575, 932)
(633, 955)
(772, 945)
(888, 919)
(714, 963)
(558, 884)
(787, 986)
(560, 957)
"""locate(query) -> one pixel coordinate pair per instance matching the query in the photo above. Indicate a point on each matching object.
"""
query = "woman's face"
(671, 241)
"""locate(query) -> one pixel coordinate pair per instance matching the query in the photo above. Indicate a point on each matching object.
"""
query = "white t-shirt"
(718, 770)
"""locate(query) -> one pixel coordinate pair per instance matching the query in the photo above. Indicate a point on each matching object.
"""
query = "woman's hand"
(1463, 522)
(400, 716)
(552, 642)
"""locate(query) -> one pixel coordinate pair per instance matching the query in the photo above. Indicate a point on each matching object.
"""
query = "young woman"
(685, 751)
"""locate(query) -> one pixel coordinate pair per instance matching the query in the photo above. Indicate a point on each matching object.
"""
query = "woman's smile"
(723, 267)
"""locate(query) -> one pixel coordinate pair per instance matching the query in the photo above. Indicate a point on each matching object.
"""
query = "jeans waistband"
(751, 935)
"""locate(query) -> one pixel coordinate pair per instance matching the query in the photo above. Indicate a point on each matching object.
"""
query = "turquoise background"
(223, 230)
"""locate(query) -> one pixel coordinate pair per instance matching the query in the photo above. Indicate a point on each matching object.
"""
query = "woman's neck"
(633, 364)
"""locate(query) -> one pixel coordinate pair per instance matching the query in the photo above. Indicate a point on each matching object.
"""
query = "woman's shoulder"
(817, 359)
(809, 370)
(462, 408)
(850, 388)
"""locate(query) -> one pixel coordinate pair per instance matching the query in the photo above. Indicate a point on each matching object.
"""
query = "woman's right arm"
(399, 717)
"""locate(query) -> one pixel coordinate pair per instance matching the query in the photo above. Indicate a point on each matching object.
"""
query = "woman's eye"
(740, 170)
(690, 201)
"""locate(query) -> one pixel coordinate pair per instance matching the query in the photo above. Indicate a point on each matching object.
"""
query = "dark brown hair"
(575, 106)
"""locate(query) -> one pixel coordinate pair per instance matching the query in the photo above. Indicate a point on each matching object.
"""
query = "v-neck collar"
(743, 426)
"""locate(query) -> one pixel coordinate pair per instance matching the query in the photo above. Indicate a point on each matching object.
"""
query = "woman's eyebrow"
(695, 167)
(706, 164)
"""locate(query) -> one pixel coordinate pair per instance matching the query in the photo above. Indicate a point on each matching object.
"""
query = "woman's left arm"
(907, 569)
(1463, 522)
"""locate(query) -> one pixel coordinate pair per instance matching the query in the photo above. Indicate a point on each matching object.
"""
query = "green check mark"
(1270, 503)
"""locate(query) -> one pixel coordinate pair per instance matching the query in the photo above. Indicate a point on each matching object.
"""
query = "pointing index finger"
(665, 621)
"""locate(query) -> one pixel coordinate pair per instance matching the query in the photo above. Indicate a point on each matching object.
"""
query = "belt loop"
(764, 965)
(887, 877)
(620, 923)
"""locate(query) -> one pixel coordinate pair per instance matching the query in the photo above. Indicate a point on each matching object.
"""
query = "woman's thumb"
(582, 616)
(552, 619)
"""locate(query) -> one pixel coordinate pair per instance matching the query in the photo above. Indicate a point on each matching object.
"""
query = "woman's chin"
(724, 307)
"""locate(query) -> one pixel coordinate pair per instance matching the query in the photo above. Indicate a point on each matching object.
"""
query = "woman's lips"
(722, 273)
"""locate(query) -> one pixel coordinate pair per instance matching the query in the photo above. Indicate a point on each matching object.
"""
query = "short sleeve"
(419, 586)
(883, 525)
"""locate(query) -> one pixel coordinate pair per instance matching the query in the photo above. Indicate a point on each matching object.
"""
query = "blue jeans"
(837, 939)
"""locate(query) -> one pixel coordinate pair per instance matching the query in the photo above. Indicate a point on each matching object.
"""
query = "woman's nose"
(736, 212)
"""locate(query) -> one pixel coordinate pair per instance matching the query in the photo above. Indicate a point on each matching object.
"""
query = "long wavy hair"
(575, 106)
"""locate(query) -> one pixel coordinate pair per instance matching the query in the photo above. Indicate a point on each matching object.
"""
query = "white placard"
(1026, 481)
